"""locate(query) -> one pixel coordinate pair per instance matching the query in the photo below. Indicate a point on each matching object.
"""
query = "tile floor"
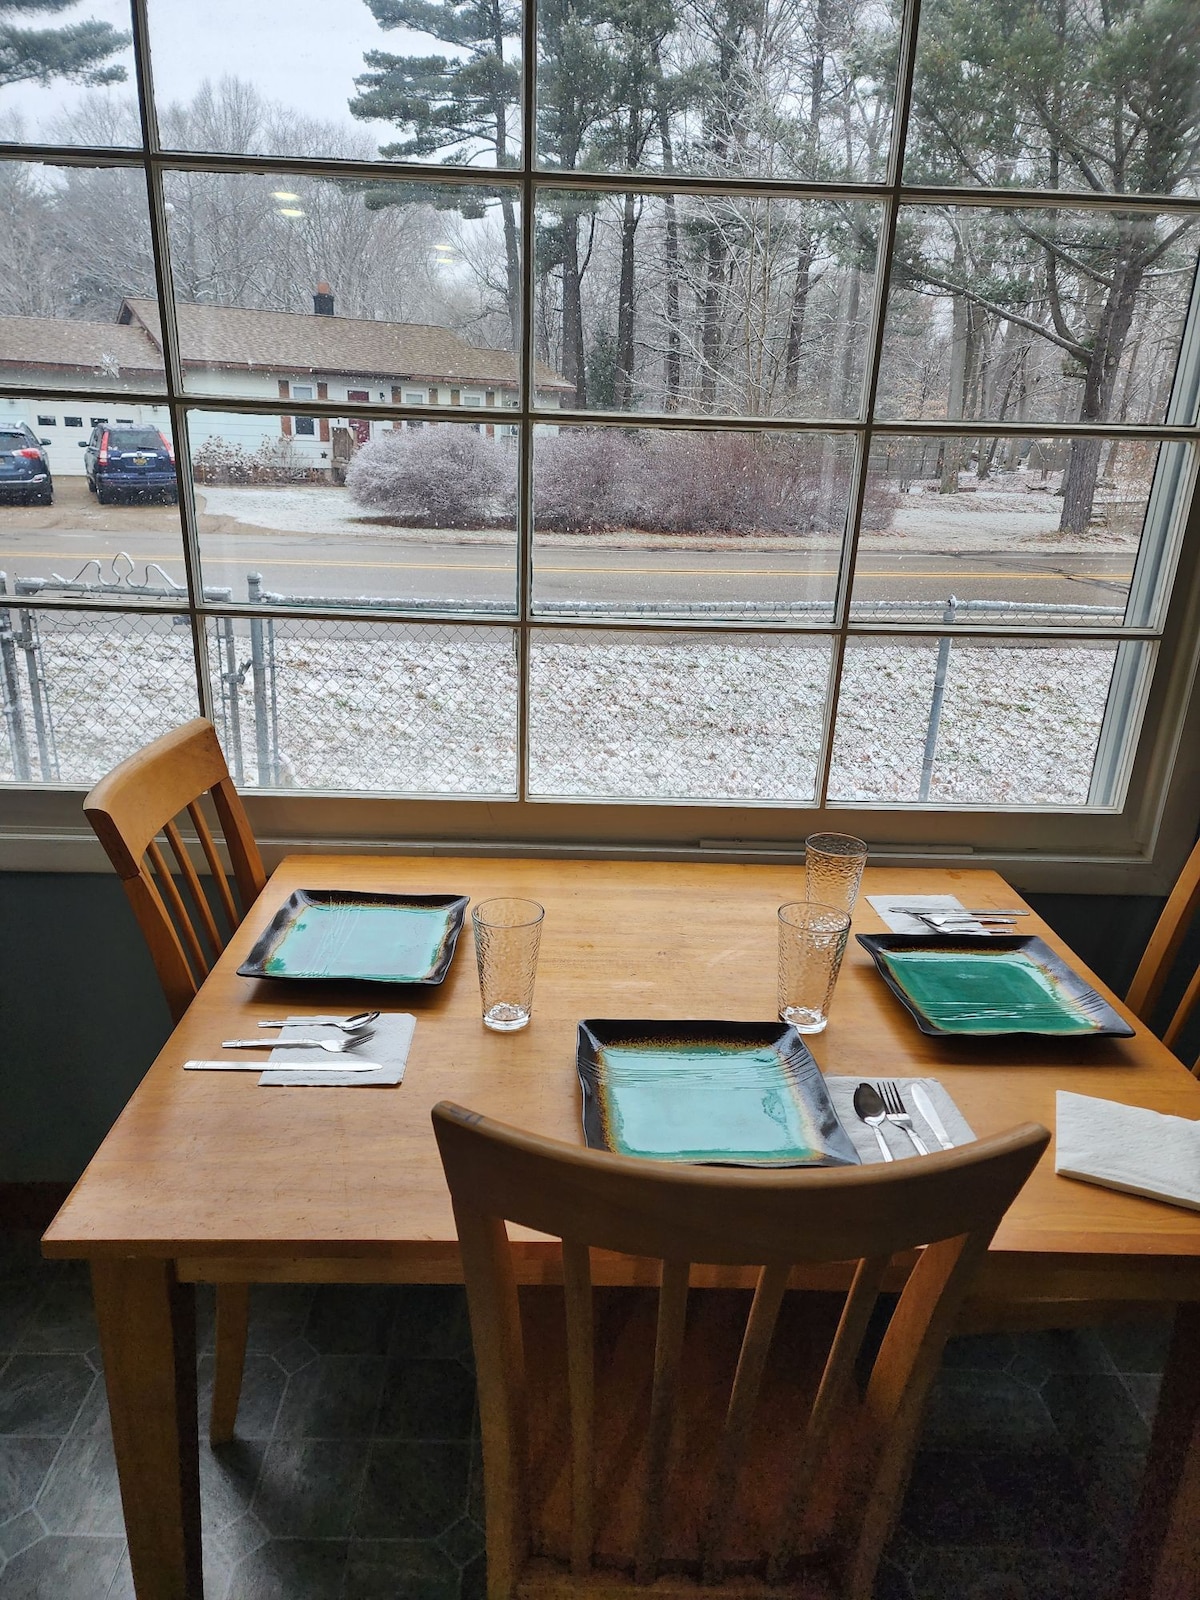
(355, 1473)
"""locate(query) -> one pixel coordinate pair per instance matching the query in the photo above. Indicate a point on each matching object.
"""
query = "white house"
(229, 351)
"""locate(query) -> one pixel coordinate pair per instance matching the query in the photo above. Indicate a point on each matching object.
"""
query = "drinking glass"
(508, 934)
(833, 869)
(812, 941)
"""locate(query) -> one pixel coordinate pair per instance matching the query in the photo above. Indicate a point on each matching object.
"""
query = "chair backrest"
(949, 1203)
(1182, 905)
(141, 799)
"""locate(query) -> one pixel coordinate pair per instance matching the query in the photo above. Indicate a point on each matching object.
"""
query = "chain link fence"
(431, 708)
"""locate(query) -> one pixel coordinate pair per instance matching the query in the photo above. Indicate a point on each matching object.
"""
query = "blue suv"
(24, 469)
(129, 462)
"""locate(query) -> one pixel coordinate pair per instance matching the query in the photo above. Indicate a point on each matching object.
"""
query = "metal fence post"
(262, 740)
(43, 726)
(935, 705)
(232, 678)
(14, 718)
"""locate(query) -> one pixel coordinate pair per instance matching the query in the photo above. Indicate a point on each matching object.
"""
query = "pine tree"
(451, 106)
(77, 52)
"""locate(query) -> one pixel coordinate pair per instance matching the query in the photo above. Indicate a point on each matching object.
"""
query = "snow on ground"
(389, 708)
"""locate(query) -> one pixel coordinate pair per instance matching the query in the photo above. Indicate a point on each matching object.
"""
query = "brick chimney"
(323, 301)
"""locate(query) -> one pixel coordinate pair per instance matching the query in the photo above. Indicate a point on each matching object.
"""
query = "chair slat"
(752, 1359)
(581, 1377)
(208, 845)
(668, 1349)
(195, 893)
(1184, 1010)
(1182, 905)
(175, 900)
(839, 1370)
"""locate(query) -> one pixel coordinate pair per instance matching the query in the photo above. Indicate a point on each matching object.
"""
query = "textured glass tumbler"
(508, 934)
(833, 869)
(812, 941)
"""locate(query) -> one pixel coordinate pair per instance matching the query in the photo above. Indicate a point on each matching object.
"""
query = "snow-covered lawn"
(994, 518)
(390, 708)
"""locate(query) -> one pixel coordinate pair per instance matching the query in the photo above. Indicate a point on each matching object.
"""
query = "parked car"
(24, 469)
(130, 462)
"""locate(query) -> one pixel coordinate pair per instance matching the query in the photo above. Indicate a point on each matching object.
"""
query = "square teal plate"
(989, 984)
(738, 1094)
(375, 938)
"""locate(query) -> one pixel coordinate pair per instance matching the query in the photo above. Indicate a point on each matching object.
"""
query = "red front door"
(360, 427)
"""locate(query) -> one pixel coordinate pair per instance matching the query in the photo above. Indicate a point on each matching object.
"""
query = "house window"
(856, 478)
(96, 421)
(72, 422)
(47, 422)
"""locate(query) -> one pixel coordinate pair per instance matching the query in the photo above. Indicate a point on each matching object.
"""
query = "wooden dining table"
(208, 1177)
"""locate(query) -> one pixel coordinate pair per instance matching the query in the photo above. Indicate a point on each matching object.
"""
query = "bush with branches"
(440, 475)
(220, 460)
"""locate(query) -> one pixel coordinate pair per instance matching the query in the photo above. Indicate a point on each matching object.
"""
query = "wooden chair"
(129, 809)
(693, 1447)
(1151, 976)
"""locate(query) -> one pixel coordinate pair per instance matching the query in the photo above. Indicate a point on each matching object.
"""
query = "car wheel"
(45, 498)
(105, 496)
(172, 497)
(91, 483)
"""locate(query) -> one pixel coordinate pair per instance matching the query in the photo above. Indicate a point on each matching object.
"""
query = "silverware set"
(954, 921)
(877, 1103)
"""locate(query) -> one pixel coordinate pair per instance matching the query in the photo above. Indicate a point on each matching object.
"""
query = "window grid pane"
(694, 297)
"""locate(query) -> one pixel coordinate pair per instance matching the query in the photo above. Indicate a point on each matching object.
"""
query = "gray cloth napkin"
(388, 1044)
(841, 1092)
(901, 922)
(1128, 1147)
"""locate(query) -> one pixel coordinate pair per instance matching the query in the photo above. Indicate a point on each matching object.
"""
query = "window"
(837, 440)
(48, 422)
(72, 422)
(98, 421)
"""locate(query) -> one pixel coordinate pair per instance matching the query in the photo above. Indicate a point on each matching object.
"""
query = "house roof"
(289, 341)
(277, 341)
(107, 349)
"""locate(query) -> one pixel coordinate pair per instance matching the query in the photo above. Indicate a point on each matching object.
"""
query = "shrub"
(217, 460)
(586, 480)
(442, 475)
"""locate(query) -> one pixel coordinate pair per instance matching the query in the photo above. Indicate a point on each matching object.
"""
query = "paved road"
(315, 564)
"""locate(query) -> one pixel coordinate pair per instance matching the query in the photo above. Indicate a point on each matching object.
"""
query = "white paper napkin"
(388, 1044)
(902, 922)
(862, 1137)
(1129, 1148)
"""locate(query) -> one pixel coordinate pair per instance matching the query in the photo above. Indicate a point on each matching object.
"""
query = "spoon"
(869, 1107)
(354, 1024)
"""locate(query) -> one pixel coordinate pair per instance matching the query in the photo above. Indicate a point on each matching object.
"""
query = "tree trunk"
(573, 361)
(1083, 463)
(710, 335)
(624, 376)
(952, 448)
(800, 291)
(512, 262)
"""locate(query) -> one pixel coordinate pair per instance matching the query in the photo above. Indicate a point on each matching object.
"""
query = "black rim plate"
(343, 935)
(1068, 1008)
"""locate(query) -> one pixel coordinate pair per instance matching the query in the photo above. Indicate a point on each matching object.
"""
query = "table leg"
(1164, 1550)
(148, 1341)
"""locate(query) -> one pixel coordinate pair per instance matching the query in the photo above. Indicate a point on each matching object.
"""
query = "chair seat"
(624, 1335)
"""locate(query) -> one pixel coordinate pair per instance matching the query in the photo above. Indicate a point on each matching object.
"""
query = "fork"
(336, 1046)
(889, 1093)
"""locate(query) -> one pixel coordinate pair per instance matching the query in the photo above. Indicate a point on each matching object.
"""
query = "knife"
(289, 1066)
(926, 1107)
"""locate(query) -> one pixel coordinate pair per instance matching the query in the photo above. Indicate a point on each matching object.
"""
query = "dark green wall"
(82, 1016)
